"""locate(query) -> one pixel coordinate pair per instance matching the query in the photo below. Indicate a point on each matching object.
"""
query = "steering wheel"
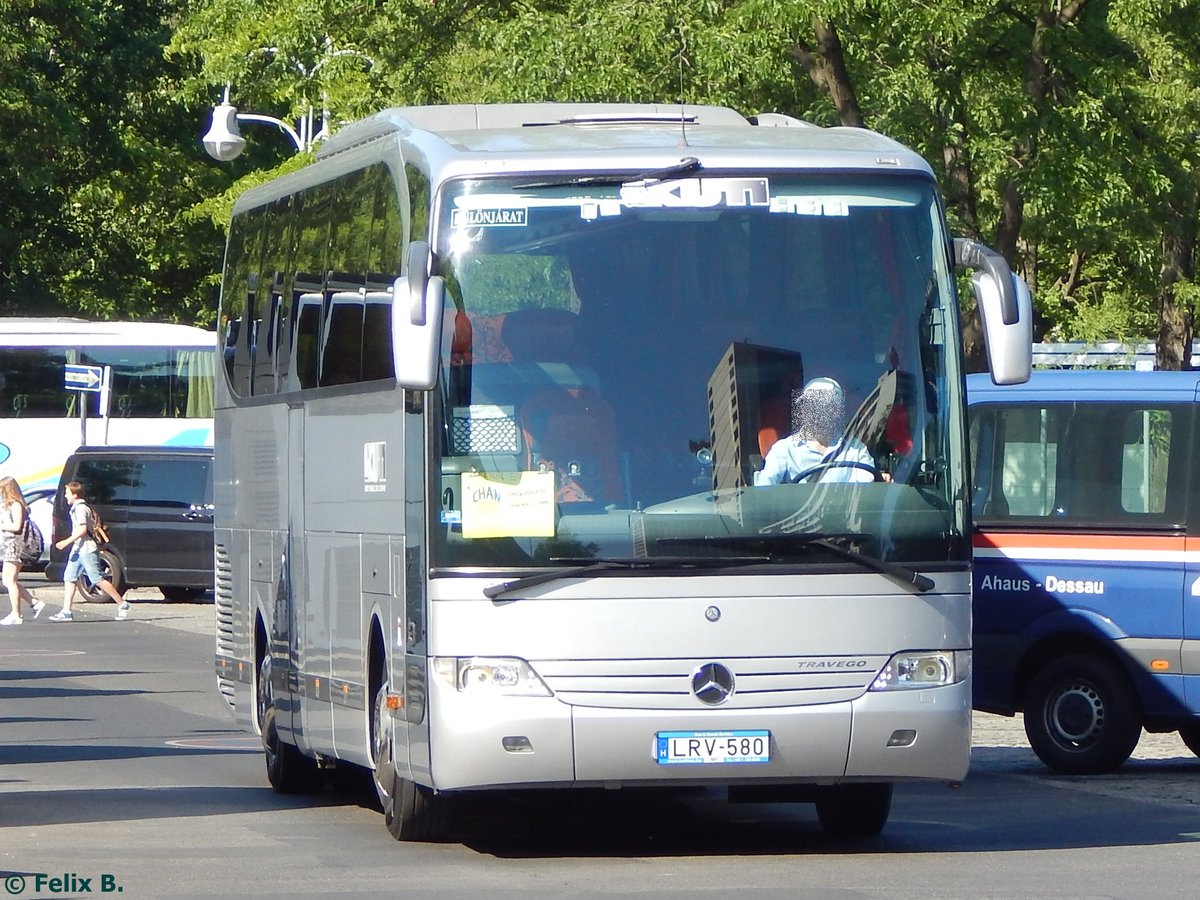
(838, 464)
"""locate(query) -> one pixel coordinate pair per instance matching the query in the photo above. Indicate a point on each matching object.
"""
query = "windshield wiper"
(776, 544)
(586, 569)
(685, 166)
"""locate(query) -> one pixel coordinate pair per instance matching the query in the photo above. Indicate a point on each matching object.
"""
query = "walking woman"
(12, 519)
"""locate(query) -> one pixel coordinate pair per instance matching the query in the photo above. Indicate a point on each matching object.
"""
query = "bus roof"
(1089, 384)
(62, 332)
(566, 136)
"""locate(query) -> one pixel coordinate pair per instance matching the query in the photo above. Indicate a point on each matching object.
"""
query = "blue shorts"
(83, 562)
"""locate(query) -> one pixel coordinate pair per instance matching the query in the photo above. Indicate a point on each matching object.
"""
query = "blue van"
(1086, 504)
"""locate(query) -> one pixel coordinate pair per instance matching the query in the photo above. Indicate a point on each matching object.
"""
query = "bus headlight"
(490, 674)
(922, 669)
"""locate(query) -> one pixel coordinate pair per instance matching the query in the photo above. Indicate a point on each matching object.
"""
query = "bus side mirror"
(1005, 311)
(417, 301)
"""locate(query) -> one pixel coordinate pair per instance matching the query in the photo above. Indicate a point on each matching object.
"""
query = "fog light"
(516, 743)
(903, 737)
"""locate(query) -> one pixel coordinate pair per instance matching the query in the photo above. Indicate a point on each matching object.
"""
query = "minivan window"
(172, 482)
(111, 481)
(1102, 463)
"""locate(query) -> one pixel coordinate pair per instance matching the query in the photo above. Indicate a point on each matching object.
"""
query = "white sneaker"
(37, 608)
(62, 616)
(123, 610)
(11, 619)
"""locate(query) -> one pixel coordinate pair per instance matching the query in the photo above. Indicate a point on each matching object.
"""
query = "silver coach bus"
(510, 442)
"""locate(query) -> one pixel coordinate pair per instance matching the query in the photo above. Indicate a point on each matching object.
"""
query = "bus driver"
(817, 448)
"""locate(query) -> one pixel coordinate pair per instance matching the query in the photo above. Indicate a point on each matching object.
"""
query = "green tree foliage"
(1063, 132)
(101, 166)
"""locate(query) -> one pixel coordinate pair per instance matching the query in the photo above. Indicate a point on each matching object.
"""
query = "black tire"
(415, 813)
(1082, 715)
(288, 770)
(410, 811)
(854, 810)
(1191, 737)
(112, 569)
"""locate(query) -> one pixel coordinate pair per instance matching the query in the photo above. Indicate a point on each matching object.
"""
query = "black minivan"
(157, 504)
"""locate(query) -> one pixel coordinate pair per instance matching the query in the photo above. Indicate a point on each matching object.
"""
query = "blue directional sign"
(82, 378)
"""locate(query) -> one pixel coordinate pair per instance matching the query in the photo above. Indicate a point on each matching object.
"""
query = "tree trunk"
(1173, 348)
(826, 66)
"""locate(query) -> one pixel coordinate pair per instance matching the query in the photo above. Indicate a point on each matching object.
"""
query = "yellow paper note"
(508, 504)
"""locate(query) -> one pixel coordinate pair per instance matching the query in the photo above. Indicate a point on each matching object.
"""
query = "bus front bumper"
(919, 734)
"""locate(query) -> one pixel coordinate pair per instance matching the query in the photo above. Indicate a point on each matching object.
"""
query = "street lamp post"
(224, 142)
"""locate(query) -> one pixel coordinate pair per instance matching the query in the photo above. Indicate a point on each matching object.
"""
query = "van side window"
(1093, 463)
(1145, 463)
(108, 481)
(182, 483)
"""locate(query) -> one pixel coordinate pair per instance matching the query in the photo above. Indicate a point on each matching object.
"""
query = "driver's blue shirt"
(790, 457)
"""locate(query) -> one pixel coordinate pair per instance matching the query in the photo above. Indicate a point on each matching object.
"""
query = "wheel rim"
(1075, 715)
(384, 770)
(266, 721)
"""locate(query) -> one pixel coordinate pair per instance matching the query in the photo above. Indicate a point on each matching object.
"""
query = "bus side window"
(383, 266)
(307, 322)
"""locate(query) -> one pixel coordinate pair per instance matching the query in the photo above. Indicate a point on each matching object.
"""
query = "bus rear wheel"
(288, 770)
(854, 810)
(1082, 715)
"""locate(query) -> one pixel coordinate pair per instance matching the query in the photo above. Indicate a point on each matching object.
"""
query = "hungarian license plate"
(712, 747)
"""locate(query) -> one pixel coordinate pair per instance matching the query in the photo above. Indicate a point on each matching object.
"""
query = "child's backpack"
(96, 527)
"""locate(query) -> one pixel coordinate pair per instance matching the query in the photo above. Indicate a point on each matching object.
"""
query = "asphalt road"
(120, 766)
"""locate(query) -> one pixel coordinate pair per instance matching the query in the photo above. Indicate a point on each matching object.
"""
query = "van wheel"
(1082, 715)
(854, 810)
(1191, 737)
(288, 770)
(110, 568)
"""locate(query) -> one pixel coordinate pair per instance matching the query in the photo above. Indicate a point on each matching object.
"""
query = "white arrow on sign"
(82, 378)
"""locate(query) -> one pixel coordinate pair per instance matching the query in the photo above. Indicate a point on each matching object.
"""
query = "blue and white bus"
(1087, 559)
(158, 390)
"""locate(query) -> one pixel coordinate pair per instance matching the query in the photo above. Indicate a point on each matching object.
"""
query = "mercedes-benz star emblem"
(712, 683)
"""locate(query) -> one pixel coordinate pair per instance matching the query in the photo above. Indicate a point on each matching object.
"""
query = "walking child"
(84, 556)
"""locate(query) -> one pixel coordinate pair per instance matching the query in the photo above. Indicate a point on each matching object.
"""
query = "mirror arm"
(970, 254)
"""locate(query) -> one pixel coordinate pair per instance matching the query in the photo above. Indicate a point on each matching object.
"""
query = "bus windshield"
(706, 366)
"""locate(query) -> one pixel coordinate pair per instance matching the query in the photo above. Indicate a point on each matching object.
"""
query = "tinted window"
(108, 481)
(173, 482)
(1096, 463)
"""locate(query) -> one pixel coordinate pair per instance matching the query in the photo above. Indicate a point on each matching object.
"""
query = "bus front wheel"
(410, 811)
(414, 812)
(1082, 715)
(854, 810)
